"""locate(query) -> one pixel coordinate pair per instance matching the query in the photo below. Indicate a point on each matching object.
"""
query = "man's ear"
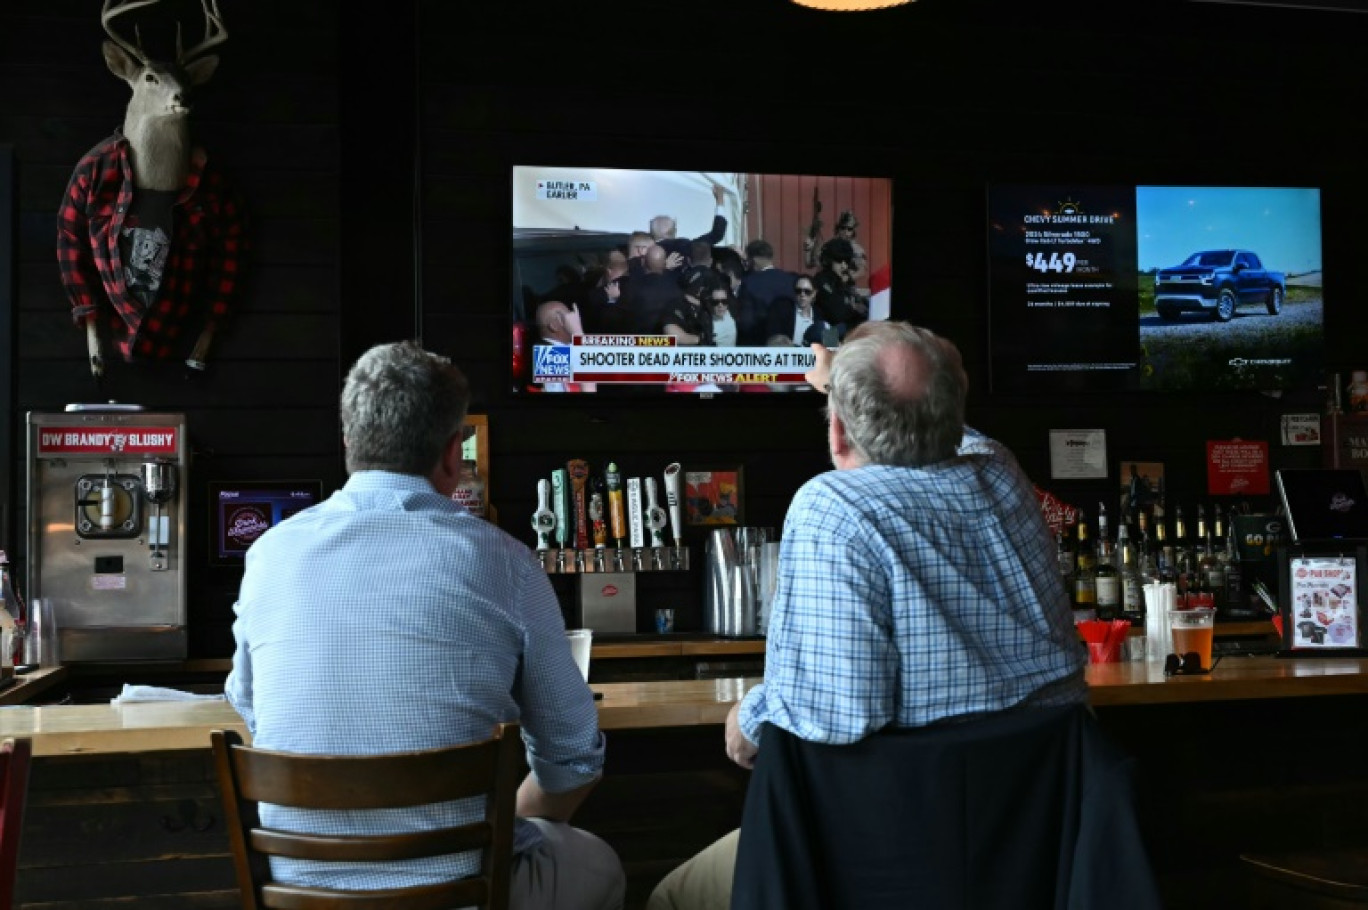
(448, 471)
(836, 437)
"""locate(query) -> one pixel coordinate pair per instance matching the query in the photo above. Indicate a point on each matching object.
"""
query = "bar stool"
(490, 768)
(14, 775)
(1319, 880)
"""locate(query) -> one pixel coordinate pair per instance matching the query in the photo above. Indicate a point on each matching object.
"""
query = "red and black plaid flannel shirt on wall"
(203, 266)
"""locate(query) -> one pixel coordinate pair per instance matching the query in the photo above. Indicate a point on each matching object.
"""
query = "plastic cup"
(1193, 631)
(581, 641)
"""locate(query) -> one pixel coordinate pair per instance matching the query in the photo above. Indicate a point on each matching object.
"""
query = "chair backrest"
(1024, 809)
(14, 774)
(490, 768)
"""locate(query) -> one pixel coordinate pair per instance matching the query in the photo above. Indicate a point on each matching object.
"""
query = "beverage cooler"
(106, 540)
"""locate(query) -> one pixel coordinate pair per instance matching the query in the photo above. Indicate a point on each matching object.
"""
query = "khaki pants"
(701, 883)
(569, 870)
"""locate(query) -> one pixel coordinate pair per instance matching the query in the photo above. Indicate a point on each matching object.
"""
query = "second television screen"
(1155, 288)
(690, 281)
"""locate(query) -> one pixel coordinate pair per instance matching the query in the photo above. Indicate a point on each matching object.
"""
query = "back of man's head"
(400, 407)
(655, 259)
(702, 283)
(551, 321)
(899, 391)
(837, 249)
(662, 227)
(759, 249)
(700, 252)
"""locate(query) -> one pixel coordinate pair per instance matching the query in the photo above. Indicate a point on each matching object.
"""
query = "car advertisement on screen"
(1169, 288)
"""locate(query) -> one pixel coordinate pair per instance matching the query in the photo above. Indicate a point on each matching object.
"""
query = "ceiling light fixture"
(850, 6)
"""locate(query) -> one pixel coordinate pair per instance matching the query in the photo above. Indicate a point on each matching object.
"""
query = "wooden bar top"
(1232, 679)
(149, 726)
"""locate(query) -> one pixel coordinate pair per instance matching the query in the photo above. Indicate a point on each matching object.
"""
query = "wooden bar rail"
(152, 726)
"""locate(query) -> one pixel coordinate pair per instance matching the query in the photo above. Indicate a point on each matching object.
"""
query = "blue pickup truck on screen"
(1217, 282)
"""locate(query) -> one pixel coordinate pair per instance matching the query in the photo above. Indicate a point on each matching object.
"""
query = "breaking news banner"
(656, 358)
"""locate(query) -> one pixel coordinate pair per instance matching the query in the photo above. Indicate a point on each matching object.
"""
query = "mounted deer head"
(156, 127)
(156, 120)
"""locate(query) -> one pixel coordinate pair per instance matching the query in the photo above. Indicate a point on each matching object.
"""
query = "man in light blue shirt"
(917, 582)
(390, 619)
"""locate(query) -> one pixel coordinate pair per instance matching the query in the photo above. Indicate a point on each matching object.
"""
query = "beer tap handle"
(596, 521)
(675, 501)
(560, 488)
(543, 520)
(655, 515)
(617, 515)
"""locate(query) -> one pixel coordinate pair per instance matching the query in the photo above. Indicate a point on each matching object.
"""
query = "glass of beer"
(1193, 630)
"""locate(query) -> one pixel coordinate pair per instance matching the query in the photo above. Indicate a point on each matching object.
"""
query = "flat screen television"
(241, 511)
(653, 313)
(1167, 288)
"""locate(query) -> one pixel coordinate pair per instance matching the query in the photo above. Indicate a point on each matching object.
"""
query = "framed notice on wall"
(1321, 602)
(1078, 454)
(1237, 467)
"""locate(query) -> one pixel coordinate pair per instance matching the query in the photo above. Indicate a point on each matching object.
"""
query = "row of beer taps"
(580, 510)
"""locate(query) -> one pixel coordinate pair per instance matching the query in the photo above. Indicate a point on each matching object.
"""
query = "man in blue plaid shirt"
(917, 582)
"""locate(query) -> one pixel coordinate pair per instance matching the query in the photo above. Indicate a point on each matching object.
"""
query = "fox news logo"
(550, 362)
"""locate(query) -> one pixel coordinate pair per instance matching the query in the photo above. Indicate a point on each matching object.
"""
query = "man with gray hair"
(917, 582)
(390, 619)
(665, 230)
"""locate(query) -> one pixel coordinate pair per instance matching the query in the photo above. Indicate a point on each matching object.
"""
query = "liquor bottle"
(1065, 558)
(1203, 560)
(1163, 552)
(1085, 576)
(1145, 550)
(470, 489)
(12, 617)
(1216, 560)
(1106, 577)
(1182, 555)
(1132, 583)
(1235, 597)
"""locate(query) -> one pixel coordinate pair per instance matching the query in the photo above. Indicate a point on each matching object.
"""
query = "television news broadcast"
(690, 281)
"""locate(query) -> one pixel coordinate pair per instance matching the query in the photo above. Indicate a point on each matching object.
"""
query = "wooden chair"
(14, 774)
(249, 776)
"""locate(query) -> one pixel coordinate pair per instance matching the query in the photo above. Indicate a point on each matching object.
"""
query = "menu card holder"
(1321, 601)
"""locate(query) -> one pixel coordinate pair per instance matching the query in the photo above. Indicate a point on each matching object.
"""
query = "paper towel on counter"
(157, 693)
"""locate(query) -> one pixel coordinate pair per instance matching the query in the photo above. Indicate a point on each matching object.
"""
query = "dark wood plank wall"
(334, 126)
(267, 406)
(945, 97)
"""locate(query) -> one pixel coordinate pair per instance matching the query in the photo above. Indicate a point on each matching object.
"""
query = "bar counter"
(154, 726)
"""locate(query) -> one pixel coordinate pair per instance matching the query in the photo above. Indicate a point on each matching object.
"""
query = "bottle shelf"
(612, 559)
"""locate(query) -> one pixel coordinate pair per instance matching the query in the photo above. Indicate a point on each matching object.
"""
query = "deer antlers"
(212, 21)
(215, 32)
(107, 15)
